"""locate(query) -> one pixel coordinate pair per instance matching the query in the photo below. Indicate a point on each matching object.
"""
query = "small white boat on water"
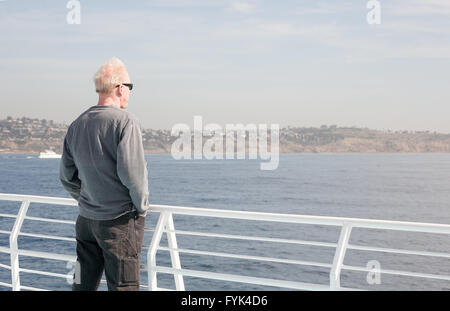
(49, 154)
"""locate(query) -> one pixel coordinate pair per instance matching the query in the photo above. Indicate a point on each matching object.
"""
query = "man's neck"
(107, 101)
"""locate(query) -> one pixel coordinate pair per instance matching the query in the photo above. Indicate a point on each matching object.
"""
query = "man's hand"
(143, 214)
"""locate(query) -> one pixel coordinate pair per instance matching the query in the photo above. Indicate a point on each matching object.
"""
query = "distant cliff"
(26, 135)
(345, 139)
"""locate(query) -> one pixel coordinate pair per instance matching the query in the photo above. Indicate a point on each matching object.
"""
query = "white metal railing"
(165, 225)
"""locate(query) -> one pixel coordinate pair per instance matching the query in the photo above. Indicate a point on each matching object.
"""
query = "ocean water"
(405, 187)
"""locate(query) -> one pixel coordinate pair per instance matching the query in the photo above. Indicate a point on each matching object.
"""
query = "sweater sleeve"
(68, 173)
(131, 165)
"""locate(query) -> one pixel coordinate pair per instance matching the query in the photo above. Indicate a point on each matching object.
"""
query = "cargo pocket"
(129, 272)
(139, 224)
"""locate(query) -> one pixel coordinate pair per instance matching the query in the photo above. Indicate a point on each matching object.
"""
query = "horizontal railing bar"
(8, 215)
(58, 275)
(43, 236)
(398, 251)
(38, 199)
(272, 217)
(34, 288)
(244, 279)
(307, 219)
(5, 232)
(399, 272)
(242, 237)
(5, 284)
(5, 250)
(47, 255)
(69, 222)
(5, 266)
(247, 257)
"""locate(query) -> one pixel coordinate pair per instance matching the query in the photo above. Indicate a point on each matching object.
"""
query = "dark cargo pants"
(110, 245)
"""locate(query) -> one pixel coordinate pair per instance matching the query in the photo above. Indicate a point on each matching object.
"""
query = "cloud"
(180, 4)
(421, 7)
(260, 29)
(46, 31)
(406, 27)
(241, 7)
(324, 8)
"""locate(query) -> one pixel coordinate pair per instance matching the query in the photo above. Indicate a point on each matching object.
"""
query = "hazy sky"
(291, 62)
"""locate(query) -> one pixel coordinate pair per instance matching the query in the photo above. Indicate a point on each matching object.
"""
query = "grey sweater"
(103, 165)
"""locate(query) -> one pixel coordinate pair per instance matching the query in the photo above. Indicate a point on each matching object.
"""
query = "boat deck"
(165, 226)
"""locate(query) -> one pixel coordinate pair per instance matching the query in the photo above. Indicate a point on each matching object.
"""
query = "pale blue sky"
(298, 63)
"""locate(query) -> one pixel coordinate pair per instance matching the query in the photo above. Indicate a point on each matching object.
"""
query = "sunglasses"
(129, 85)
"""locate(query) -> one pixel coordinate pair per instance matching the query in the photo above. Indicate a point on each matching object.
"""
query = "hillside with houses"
(28, 135)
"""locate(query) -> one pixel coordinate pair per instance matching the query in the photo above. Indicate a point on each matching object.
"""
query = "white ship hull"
(58, 156)
(48, 154)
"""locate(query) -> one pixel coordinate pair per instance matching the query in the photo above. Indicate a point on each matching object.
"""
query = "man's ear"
(119, 91)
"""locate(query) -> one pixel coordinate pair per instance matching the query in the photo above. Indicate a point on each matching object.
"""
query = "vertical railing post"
(13, 245)
(174, 254)
(151, 253)
(335, 273)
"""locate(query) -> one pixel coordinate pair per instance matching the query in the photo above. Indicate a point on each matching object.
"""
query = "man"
(104, 169)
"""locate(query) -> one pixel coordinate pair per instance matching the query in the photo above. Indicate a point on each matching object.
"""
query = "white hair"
(110, 74)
